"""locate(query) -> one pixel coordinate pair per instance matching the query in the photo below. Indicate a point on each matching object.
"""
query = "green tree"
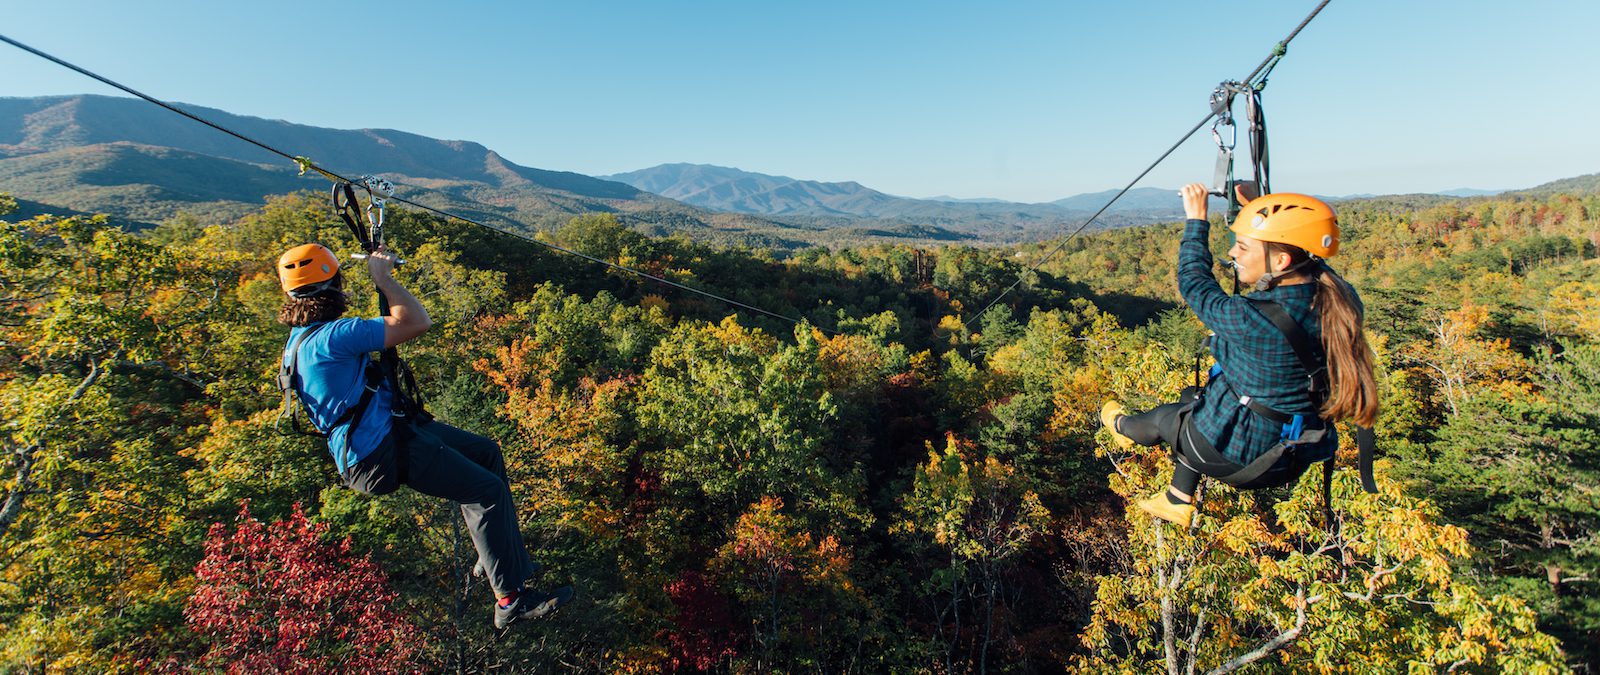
(980, 516)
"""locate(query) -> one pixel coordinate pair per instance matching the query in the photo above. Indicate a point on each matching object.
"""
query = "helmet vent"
(1266, 212)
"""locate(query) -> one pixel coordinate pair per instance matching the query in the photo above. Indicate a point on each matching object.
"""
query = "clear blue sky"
(1029, 101)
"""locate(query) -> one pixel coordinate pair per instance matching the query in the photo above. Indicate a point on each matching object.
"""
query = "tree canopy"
(887, 486)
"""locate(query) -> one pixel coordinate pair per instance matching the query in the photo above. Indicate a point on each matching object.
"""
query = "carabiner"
(1233, 133)
(375, 220)
(375, 186)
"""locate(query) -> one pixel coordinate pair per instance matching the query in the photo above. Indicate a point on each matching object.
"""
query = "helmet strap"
(1271, 278)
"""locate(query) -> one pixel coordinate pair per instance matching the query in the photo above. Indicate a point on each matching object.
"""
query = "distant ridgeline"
(141, 165)
(728, 189)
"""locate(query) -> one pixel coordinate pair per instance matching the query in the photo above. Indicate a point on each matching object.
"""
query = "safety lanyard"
(1222, 180)
(367, 227)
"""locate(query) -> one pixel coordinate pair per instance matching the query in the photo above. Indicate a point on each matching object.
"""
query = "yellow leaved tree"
(1251, 583)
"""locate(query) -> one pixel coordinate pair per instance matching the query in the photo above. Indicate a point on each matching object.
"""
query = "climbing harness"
(289, 385)
(1299, 433)
(407, 407)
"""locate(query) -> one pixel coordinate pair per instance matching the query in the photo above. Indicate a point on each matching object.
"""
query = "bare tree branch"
(1194, 640)
(27, 455)
(1278, 642)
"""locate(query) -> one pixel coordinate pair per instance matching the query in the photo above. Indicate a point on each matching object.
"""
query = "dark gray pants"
(466, 468)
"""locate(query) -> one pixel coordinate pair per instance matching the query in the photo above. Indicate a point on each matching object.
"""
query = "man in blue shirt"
(347, 397)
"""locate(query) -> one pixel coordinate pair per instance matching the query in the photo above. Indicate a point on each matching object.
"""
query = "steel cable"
(307, 164)
(1277, 53)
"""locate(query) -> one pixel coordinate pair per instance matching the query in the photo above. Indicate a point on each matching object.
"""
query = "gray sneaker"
(531, 605)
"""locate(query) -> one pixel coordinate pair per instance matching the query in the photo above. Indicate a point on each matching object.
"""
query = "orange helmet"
(307, 269)
(1287, 218)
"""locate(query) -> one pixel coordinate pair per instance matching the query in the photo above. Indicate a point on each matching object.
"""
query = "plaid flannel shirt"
(1255, 357)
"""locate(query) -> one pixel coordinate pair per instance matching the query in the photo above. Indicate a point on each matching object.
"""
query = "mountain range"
(142, 165)
(728, 189)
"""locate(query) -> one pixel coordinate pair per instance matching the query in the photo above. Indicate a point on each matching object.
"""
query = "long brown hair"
(1352, 388)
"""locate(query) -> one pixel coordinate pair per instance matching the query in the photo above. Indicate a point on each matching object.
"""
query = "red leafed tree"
(705, 633)
(278, 598)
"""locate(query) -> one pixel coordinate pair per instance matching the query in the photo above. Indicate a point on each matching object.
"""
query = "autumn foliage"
(892, 485)
(280, 598)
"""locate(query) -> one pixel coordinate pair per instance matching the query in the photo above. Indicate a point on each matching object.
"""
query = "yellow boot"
(1159, 506)
(1108, 417)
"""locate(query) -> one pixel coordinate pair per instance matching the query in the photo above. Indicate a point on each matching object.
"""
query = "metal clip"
(1222, 177)
(376, 186)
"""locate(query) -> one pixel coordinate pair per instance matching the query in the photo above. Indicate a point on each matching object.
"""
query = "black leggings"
(1164, 424)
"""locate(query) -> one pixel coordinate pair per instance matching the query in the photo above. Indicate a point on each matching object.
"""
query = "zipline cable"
(306, 164)
(1266, 65)
(612, 265)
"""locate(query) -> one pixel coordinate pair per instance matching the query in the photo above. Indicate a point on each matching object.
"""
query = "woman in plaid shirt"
(1281, 243)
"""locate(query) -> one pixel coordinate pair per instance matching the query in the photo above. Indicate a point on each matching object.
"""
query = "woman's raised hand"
(1194, 201)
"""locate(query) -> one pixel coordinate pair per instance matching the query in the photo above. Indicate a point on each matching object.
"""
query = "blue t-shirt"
(332, 375)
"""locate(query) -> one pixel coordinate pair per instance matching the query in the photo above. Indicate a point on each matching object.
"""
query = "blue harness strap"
(1292, 430)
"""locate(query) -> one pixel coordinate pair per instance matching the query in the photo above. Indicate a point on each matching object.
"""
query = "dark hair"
(328, 305)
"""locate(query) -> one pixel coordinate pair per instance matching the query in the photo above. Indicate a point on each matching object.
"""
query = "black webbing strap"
(1305, 347)
(1261, 409)
(288, 376)
(352, 415)
(1260, 465)
(1327, 493)
(1256, 118)
(1367, 443)
(348, 208)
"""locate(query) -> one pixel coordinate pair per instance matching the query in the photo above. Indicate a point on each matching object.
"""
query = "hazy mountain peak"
(737, 190)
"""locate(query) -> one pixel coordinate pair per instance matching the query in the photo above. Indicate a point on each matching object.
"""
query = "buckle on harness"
(1293, 429)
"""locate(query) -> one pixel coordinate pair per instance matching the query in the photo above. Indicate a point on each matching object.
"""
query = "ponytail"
(1352, 388)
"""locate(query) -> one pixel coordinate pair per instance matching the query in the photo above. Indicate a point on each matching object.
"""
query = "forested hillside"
(879, 489)
(727, 189)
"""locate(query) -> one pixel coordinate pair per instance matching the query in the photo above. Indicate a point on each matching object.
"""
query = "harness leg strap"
(1367, 442)
(1327, 493)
